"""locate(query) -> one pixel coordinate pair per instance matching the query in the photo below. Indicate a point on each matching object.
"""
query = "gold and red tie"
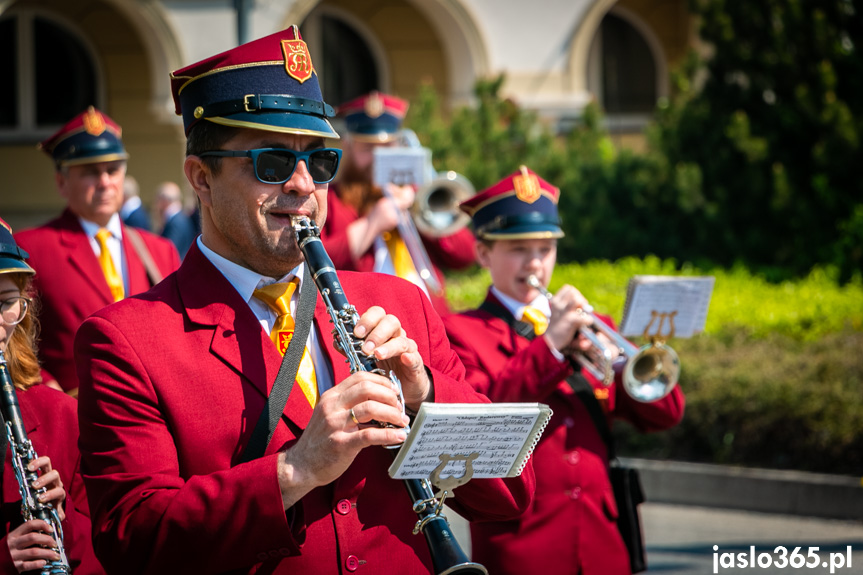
(115, 282)
(403, 263)
(278, 297)
(535, 318)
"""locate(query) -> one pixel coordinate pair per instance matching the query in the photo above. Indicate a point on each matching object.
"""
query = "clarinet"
(447, 556)
(22, 454)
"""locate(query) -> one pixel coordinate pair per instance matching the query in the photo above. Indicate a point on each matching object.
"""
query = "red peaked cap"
(12, 258)
(267, 84)
(520, 206)
(374, 117)
(88, 138)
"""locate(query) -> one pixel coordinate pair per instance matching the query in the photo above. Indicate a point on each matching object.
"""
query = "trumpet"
(651, 372)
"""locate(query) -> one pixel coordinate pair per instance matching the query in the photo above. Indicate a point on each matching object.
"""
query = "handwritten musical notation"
(666, 306)
(502, 434)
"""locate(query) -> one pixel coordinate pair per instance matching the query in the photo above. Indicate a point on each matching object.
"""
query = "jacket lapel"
(507, 338)
(238, 340)
(79, 254)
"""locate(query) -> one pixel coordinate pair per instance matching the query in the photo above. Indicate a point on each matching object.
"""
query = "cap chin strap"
(14, 251)
(264, 103)
(500, 223)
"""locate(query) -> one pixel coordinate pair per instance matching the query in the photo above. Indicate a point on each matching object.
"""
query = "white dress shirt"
(115, 244)
(516, 308)
(246, 281)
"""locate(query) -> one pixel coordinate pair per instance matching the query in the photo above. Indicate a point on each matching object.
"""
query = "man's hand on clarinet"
(394, 351)
(345, 419)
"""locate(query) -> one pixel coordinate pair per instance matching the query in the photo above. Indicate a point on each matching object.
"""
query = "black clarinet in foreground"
(446, 554)
(22, 454)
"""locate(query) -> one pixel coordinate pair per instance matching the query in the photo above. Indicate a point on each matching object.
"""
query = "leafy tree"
(774, 135)
(484, 143)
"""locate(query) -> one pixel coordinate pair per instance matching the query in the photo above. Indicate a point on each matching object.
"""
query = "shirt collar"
(244, 280)
(516, 308)
(130, 206)
(114, 226)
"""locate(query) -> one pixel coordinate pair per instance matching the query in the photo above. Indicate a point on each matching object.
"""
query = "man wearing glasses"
(173, 382)
(87, 258)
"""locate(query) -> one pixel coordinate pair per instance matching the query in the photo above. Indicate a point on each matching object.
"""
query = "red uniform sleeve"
(530, 374)
(453, 252)
(147, 516)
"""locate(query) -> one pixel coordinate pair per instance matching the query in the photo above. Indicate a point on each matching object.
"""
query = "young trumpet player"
(361, 233)
(571, 527)
(50, 421)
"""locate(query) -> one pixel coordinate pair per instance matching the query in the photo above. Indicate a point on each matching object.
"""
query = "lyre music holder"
(445, 485)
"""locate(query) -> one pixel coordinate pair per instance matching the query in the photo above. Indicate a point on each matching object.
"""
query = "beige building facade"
(557, 55)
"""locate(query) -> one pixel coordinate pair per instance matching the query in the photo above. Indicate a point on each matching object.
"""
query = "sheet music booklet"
(401, 165)
(501, 435)
(666, 306)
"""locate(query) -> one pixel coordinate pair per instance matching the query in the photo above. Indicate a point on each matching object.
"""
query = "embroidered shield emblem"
(526, 187)
(284, 340)
(374, 106)
(94, 123)
(298, 61)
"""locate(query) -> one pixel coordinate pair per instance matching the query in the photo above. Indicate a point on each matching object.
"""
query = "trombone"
(651, 371)
(434, 212)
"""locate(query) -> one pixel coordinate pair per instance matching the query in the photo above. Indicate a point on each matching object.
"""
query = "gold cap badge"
(94, 123)
(526, 186)
(298, 61)
(374, 105)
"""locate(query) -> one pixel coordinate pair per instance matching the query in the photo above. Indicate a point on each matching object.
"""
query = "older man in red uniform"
(174, 381)
(361, 231)
(87, 258)
(571, 527)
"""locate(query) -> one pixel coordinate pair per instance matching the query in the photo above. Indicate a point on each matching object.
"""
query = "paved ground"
(680, 540)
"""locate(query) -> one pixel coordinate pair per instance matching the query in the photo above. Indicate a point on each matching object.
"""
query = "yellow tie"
(115, 282)
(278, 297)
(535, 318)
(402, 261)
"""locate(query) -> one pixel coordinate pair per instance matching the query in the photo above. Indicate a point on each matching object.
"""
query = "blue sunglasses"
(277, 165)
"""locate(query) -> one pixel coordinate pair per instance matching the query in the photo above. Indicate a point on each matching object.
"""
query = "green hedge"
(775, 380)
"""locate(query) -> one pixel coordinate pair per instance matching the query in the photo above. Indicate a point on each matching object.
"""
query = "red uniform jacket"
(455, 251)
(51, 421)
(70, 284)
(168, 403)
(570, 527)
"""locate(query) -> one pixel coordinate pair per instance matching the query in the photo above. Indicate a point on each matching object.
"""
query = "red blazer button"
(343, 507)
(574, 457)
(263, 556)
(352, 563)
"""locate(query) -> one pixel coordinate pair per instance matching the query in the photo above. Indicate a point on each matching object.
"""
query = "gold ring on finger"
(354, 417)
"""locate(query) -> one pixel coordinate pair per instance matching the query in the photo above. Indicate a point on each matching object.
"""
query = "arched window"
(625, 70)
(348, 57)
(349, 67)
(48, 76)
(628, 69)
